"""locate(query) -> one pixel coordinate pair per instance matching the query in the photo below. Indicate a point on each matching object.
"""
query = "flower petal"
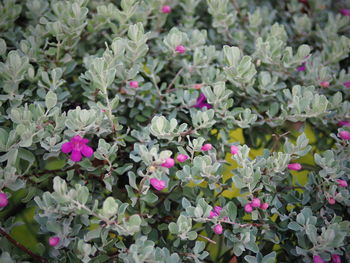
(67, 147)
(75, 156)
(87, 151)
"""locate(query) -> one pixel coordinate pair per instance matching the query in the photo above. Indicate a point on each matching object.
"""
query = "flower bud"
(264, 206)
(342, 183)
(331, 201)
(217, 209)
(336, 258)
(212, 214)
(54, 241)
(181, 158)
(234, 149)
(168, 163)
(294, 166)
(133, 84)
(345, 135)
(347, 84)
(197, 86)
(255, 202)
(157, 184)
(324, 84)
(180, 49)
(166, 9)
(206, 147)
(3, 200)
(318, 259)
(218, 229)
(248, 208)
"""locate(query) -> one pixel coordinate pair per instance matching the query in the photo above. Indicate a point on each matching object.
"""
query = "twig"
(207, 238)
(21, 247)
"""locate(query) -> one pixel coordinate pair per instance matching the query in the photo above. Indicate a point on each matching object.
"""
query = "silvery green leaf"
(50, 100)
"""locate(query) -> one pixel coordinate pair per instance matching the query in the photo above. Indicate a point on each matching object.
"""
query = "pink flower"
(302, 67)
(4, 201)
(157, 184)
(180, 49)
(255, 202)
(202, 102)
(344, 123)
(168, 163)
(197, 86)
(78, 147)
(347, 84)
(212, 214)
(53, 241)
(206, 147)
(331, 201)
(336, 258)
(342, 183)
(294, 166)
(134, 84)
(345, 135)
(217, 209)
(318, 259)
(324, 84)
(248, 208)
(264, 206)
(218, 229)
(166, 9)
(345, 12)
(234, 149)
(182, 157)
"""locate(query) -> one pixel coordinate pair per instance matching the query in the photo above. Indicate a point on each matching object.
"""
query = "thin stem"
(208, 239)
(22, 247)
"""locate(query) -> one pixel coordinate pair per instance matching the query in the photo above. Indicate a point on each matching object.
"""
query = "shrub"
(175, 131)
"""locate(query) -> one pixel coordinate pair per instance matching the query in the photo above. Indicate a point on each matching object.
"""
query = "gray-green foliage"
(65, 70)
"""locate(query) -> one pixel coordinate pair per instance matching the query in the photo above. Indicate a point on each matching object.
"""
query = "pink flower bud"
(3, 200)
(344, 123)
(181, 158)
(197, 86)
(248, 208)
(324, 84)
(255, 202)
(157, 184)
(342, 183)
(345, 135)
(168, 163)
(345, 12)
(206, 147)
(347, 84)
(53, 241)
(264, 206)
(336, 258)
(331, 201)
(212, 214)
(133, 84)
(166, 9)
(234, 149)
(180, 49)
(318, 259)
(294, 166)
(217, 209)
(218, 229)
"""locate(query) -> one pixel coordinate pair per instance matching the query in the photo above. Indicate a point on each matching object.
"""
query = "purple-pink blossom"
(202, 102)
(218, 229)
(4, 201)
(217, 209)
(331, 201)
(336, 258)
(134, 84)
(212, 214)
(345, 12)
(294, 166)
(342, 183)
(324, 84)
(166, 9)
(77, 146)
(54, 241)
(255, 202)
(157, 184)
(345, 135)
(197, 86)
(181, 158)
(168, 163)
(344, 123)
(318, 259)
(248, 208)
(206, 147)
(180, 49)
(234, 149)
(302, 67)
(347, 84)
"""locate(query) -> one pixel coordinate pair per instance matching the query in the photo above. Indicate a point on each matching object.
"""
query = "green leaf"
(50, 100)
